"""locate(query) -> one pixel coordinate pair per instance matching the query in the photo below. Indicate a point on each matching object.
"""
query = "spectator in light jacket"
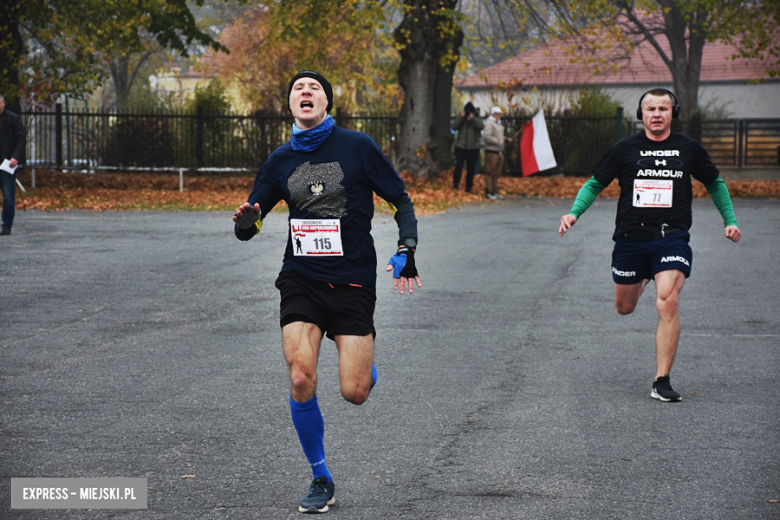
(493, 137)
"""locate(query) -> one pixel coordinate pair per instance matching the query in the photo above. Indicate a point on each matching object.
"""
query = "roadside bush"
(138, 141)
(135, 140)
(221, 136)
(582, 140)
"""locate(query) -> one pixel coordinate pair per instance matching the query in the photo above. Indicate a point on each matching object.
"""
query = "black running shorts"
(636, 260)
(337, 309)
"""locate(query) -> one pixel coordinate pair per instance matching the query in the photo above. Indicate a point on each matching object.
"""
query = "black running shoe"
(320, 496)
(662, 389)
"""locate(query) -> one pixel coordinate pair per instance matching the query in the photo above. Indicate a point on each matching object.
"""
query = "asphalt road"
(146, 344)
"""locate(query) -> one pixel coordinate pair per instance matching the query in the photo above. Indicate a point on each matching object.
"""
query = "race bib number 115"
(316, 237)
(653, 194)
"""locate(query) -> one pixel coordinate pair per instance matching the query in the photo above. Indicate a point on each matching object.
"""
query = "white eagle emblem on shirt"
(317, 188)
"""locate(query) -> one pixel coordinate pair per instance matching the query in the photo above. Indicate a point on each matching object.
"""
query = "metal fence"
(94, 140)
(100, 140)
(103, 140)
(736, 142)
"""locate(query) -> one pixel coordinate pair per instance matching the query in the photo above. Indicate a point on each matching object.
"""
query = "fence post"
(68, 133)
(740, 132)
(618, 123)
(339, 117)
(58, 135)
(199, 138)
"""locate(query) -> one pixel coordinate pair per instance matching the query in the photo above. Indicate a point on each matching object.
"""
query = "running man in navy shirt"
(327, 176)
(654, 169)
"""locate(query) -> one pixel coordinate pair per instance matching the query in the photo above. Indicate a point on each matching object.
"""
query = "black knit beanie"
(314, 75)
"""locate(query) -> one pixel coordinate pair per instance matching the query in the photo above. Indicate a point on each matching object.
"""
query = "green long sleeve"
(722, 199)
(585, 197)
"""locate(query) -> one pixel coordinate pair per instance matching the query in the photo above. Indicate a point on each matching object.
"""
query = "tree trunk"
(120, 73)
(685, 35)
(441, 135)
(11, 52)
(416, 78)
(123, 77)
(429, 42)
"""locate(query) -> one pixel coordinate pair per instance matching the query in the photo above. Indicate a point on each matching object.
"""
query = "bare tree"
(677, 30)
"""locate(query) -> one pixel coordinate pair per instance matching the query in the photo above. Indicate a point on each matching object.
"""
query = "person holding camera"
(467, 143)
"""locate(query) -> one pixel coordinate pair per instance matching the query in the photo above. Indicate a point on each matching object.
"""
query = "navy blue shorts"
(635, 260)
(337, 309)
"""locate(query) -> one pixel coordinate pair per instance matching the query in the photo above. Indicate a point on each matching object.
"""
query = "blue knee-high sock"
(308, 422)
(374, 375)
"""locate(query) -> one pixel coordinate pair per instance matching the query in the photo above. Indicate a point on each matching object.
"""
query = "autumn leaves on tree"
(390, 57)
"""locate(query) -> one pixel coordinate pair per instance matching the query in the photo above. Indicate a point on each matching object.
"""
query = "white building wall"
(744, 101)
(741, 101)
(531, 101)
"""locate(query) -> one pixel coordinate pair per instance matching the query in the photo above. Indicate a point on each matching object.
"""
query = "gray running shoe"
(662, 389)
(320, 496)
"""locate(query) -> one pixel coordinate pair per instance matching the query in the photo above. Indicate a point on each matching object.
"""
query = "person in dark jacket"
(12, 139)
(467, 143)
(327, 176)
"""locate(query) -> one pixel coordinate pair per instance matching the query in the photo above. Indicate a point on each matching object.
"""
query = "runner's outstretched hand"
(246, 215)
(402, 265)
(567, 221)
(733, 233)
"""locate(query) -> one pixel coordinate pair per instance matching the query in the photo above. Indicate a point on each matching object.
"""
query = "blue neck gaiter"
(311, 139)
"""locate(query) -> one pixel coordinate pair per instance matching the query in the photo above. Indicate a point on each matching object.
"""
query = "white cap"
(496, 110)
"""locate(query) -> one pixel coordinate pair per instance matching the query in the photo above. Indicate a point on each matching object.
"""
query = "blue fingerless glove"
(403, 263)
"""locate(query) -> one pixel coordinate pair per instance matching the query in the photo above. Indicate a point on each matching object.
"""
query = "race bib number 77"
(653, 194)
(316, 237)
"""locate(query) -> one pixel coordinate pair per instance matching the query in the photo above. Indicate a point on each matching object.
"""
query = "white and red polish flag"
(536, 153)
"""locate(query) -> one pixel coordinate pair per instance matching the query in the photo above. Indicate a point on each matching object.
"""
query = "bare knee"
(304, 383)
(627, 296)
(667, 307)
(355, 393)
(356, 398)
(624, 308)
(626, 304)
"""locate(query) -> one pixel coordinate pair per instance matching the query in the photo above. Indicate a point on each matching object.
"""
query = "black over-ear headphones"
(675, 106)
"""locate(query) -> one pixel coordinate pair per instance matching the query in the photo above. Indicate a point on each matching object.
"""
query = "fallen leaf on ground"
(98, 192)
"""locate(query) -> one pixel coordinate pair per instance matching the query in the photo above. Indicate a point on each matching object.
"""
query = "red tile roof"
(554, 65)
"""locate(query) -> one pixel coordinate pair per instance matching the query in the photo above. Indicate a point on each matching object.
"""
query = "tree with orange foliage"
(339, 38)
